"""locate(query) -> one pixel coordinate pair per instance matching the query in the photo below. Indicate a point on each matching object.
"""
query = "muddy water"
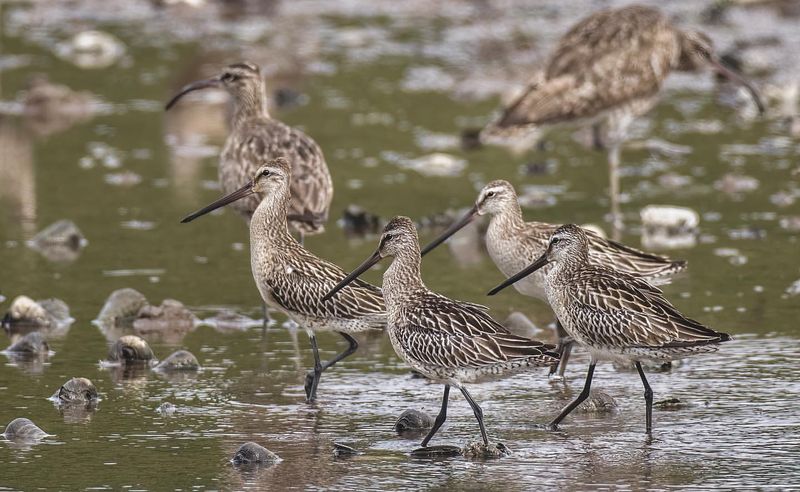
(377, 91)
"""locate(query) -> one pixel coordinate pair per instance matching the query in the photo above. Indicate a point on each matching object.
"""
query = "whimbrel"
(257, 137)
(449, 341)
(293, 280)
(513, 244)
(615, 315)
(606, 71)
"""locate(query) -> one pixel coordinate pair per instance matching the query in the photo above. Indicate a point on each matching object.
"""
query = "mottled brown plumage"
(256, 138)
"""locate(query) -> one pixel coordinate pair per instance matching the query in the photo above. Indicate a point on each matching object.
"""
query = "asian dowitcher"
(449, 341)
(513, 244)
(615, 315)
(293, 280)
(606, 71)
(257, 137)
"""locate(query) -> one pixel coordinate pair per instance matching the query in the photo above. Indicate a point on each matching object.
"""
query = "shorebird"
(449, 341)
(513, 244)
(255, 138)
(606, 71)
(293, 280)
(615, 315)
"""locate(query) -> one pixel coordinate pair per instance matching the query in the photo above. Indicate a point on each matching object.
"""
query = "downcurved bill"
(375, 258)
(242, 192)
(539, 263)
(194, 86)
(457, 226)
(738, 79)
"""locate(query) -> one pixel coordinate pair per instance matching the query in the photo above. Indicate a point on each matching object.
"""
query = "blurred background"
(385, 88)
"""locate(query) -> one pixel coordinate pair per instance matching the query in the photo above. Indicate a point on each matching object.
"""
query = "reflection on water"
(378, 86)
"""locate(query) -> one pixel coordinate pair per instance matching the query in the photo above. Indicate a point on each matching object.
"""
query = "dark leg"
(311, 392)
(478, 414)
(310, 377)
(439, 418)
(597, 137)
(577, 401)
(267, 318)
(564, 349)
(648, 397)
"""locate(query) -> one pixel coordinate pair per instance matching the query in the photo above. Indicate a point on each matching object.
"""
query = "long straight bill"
(738, 79)
(375, 258)
(457, 226)
(539, 263)
(236, 195)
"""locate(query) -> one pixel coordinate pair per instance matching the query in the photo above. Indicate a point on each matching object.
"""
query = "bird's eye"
(554, 240)
(490, 194)
(228, 77)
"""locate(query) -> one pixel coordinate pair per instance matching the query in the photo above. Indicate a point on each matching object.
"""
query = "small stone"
(170, 313)
(479, 450)
(182, 360)
(166, 408)
(670, 404)
(23, 429)
(598, 402)
(344, 451)
(59, 242)
(357, 222)
(520, 325)
(251, 453)
(436, 164)
(32, 344)
(76, 390)
(413, 421)
(130, 348)
(121, 307)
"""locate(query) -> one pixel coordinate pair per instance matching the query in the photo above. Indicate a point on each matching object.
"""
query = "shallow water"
(379, 91)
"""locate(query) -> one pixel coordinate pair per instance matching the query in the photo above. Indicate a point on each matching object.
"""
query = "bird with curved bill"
(513, 244)
(448, 341)
(613, 314)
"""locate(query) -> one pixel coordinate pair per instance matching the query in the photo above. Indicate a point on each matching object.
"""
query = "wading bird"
(605, 72)
(293, 280)
(255, 138)
(449, 341)
(513, 244)
(614, 315)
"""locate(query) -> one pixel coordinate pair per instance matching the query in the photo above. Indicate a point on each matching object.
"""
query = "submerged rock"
(442, 451)
(121, 307)
(436, 164)
(170, 314)
(166, 408)
(228, 320)
(357, 222)
(598, 402)
(31, 344)
(344, 451)
(91, 49)
(520, 325)
(130, 349)
(76, 390)
(51, 108)
(46, 313)
(59, 242)
(670, 404)
(413, 421)
(22, 429)
(182, 360)
(478, 450)
(251, 453)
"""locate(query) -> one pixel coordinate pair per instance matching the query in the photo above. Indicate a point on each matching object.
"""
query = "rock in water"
(357, 222)
(413, 422)
(169, 315)
(166, 409)
(344, 451)
(47, 313)
(520, 325)
(477, 449)
(121, 307)
(23, 429)
(76, 390)
(251, 453)
(598, 402)
(59, 242)
(33, 344)
(182, 360)
(442, 451)
(130, 348)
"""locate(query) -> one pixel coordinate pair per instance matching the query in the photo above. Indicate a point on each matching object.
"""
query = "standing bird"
(255, 138)
(513, 244)
(606, 71)
(615, 315)
(449, 341)
(291, 279)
